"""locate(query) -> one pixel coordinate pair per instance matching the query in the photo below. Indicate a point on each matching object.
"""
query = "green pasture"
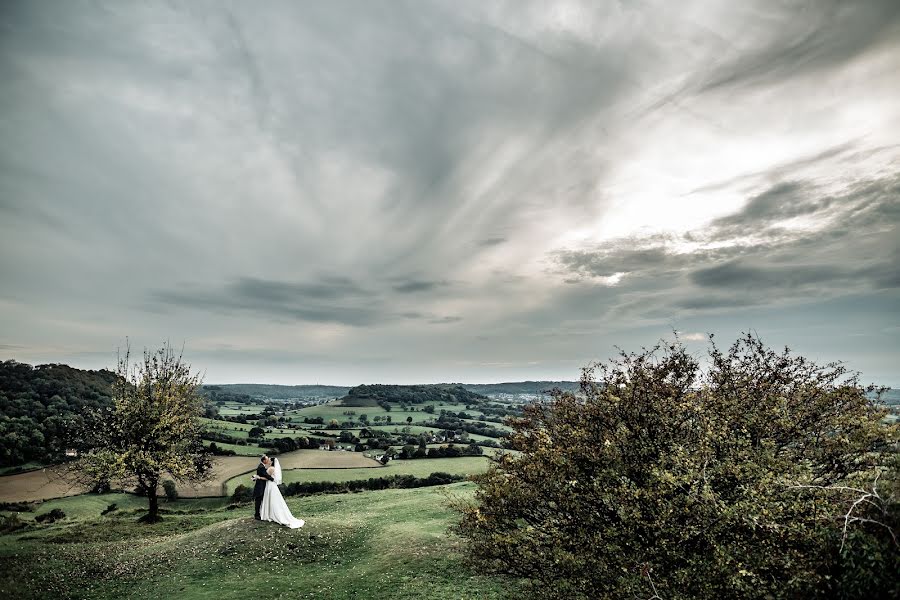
(390, 545)
(240, 430)
(249, 450)
(333, 411)
(422, 467)
(233, 410)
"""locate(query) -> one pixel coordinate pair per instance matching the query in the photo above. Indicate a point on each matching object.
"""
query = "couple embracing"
(269, 503)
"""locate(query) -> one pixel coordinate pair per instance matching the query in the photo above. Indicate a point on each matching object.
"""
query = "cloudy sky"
(386, 191)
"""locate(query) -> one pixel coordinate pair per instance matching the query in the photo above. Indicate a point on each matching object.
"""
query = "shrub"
(242, 493)
(170, 490)
(658, 479)
(11, 523)
(51, 517)
(111, 508)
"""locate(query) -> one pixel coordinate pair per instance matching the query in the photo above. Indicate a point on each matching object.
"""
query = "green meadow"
(421, 467)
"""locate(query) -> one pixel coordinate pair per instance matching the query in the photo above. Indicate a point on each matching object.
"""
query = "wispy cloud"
(443, 187)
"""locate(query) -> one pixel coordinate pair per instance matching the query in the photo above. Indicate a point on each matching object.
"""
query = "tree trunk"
(152, 515)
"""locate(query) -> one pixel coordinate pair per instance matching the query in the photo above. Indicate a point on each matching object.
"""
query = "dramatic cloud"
(348, 191)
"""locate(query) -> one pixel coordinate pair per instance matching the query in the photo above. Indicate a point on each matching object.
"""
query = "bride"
(274, 508)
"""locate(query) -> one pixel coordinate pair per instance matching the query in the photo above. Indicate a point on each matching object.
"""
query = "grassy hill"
(390, 544)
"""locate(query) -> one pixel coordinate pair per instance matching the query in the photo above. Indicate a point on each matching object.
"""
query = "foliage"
(152, 429)
(523, 387)
(16, 506)
(11, 523)
(373, 483)
(253, 392)
(215, 450)
(452, 422)
(410, 452)
(660, 479)
(416, 394)
(41, 407)
(170, 489)
(51, 517)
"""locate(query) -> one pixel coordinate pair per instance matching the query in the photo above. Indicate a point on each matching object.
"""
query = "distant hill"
(520, 387)
(891, 398)
(367, 395)
(264, 391)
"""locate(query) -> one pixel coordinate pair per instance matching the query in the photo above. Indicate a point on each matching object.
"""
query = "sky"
(463, 191)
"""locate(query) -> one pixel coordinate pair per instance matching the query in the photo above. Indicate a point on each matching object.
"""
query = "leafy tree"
(42, 408)
(152, 429)
(661, 479)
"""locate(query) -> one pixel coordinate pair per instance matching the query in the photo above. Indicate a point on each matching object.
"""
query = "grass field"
(389, 545)
(332, 410)
(240, 450)
(239, 430)
(422, 467)
(48, 483)
(41, 484)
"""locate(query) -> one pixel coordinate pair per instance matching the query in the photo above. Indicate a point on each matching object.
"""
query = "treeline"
(245, 494)
(41, 407)
(522, 387)
(415, 394)
(265, 391)
(410, 452)
(452, 422)
(216, 394)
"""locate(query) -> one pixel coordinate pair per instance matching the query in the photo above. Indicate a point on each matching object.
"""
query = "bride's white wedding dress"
(273, 507)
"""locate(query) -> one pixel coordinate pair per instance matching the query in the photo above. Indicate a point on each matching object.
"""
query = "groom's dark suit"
(260, 488)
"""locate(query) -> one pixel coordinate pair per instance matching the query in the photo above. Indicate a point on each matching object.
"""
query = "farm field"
(41, 484)
(242, 450)
(422, 467)
(48, 483)
(239, 430)
(332, 410)
(390, 545)
(322, 459)
(224, 468)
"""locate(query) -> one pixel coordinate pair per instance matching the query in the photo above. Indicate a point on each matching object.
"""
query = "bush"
(111, 508)
(16, 506)
(658, 475)
(170, 490)
(51, 517)
(242, 493)
(11, 523)
(374, 483)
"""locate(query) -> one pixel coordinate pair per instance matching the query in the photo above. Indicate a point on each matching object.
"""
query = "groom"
(260, 488)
